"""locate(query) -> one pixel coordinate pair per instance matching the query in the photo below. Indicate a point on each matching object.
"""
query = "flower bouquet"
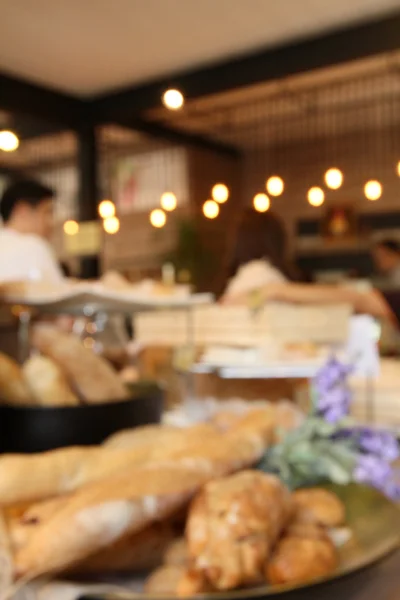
(328, 446)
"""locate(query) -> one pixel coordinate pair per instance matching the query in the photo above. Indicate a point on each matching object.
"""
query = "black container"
(29, 429)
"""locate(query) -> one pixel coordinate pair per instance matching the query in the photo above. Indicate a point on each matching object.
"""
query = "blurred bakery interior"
(225, 222)
(150, 186)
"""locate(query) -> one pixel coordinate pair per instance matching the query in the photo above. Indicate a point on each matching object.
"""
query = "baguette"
(104, 512)
(47, 383)
(65, 470)
(91, 375)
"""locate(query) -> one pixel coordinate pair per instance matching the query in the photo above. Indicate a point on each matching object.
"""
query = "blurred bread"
(317, 505)
(91, 375)
(297, 560)
(165, 581)
(13, 388)
(102, 513)
(47, 383)
(141, 551)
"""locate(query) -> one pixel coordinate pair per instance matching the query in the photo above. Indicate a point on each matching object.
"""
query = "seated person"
(272, 253)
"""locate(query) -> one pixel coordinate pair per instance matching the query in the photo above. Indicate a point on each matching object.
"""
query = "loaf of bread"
(47, 383)
(67, 469)
(100, 514)
(13, 388)
(91, 376)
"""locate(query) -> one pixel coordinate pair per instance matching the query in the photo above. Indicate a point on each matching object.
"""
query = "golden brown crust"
(320, 506)
(91, 375)
(232, 526)
(298, 560)
(164, 581)
(47, 383)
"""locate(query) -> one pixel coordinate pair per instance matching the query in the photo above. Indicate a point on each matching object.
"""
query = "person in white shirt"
(26, 209)
(259, 255)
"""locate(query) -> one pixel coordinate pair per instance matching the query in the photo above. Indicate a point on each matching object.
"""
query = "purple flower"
(332, 374)
(332, 394)
(372, 470)
(380, 443)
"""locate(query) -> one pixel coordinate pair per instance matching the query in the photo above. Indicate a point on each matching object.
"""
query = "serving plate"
(374, 522)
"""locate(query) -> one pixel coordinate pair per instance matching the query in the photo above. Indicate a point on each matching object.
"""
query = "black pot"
(29, 429)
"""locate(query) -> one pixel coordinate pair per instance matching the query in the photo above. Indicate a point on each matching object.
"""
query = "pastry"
(47, 383)
(233, 525)
(298, 560)
(319, 506)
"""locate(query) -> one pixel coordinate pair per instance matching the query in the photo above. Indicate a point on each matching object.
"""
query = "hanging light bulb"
(261, 202)
(106, 209)
(275, 186)
(168, 201)
(373, 190)
(334, 178)
(316, 196)
(111, 225)
(220, 193)
(158, 218)
(71, 227)
(173, 99)
(210, 209)
(8, 141)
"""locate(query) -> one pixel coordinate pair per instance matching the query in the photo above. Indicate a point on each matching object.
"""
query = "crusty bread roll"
(91, 375)
(13, 388)
(233, 525)
(47, 383)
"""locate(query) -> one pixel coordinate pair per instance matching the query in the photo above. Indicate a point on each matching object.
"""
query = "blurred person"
(260, 253)
(26, 208)
(386, 255)
(267, 245)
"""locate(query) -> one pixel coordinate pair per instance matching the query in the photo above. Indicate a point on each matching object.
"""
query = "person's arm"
(371, 302)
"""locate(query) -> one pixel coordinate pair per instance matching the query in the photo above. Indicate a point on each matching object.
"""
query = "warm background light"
(106, 209)
(373, 190)
(173, 99)
(334, 178)
(316, 196)
(168, 201)
(111, 225)
(71, 227)
(210, 209)
(261, 202)
(220, 193)
(275, 186)
(158, 218)
(8, 141)
(398, 168)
